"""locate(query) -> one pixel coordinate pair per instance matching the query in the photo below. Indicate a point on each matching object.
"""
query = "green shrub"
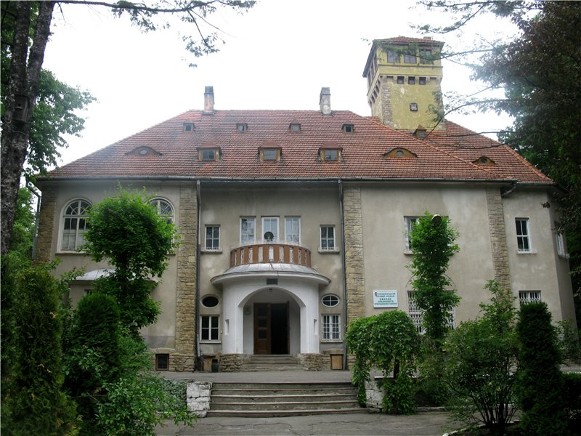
(572, 399)
(539, 381)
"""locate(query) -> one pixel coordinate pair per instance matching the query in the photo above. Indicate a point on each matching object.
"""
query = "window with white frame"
(212, 237)
(560, 242)
(75, 225)
(417, 315)
(331, 328)
(409, 223)
(523, 239)
(164, 209)
(292, 229)
(270, 228)
(210, 328)
(247, 230)
(525, 297)
(328, 238)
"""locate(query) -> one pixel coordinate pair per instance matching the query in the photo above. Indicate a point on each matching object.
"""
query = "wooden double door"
(271, 328)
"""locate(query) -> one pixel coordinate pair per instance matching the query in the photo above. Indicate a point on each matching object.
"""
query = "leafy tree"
(390, 342)
(481, 358)
(539, 382)
(432, 244)
(27, 25)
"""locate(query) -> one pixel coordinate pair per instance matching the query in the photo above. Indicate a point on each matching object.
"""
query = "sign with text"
(384, 298)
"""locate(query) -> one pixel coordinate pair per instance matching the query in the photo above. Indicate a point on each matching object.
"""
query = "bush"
(540, 381)
(572, 399)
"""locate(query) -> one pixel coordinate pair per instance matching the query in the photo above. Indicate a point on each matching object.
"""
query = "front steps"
(282, 399)
(271, 362)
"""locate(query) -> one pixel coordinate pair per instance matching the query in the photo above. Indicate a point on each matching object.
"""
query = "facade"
(294, 223)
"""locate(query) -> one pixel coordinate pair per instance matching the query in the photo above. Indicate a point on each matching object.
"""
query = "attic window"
(295, 127)
(348, 128)
(484, 160)
(411, 80)
(189, 127)
(242, 127)
(413, 107)
(208, 154)
(422, 81)
(269, 153)
(420, 133)
(330, 154)
(144, 151)
(400, 152)
(400, 80)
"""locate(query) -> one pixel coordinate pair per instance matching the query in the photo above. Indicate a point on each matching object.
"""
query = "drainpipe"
(197, 293)
(344, 264)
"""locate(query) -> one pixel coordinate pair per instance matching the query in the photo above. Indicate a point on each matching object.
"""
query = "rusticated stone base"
(313, 362)
(231, 362)
(182, 362)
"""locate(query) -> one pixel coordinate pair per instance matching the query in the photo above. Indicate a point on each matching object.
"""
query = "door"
(271, 331)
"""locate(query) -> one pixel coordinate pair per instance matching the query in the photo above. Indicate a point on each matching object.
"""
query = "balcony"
(273, 252)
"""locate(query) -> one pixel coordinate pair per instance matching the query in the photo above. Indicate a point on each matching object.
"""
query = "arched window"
(164, 208)
(75, 225)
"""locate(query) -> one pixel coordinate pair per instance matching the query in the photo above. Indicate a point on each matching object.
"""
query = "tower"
(404, 78)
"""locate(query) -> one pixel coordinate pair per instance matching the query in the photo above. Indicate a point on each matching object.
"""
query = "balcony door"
(271, 332)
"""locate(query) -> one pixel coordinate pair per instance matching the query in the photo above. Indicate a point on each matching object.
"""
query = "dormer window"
(144, 151)
(400, 152)
(242, 127)
(208, 154)
(348, 128)
(189, 127)
(295, 127)
(484, 160)
(330, 154)
(269, 153)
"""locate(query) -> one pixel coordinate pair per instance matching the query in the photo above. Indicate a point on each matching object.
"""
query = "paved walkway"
(424, 423)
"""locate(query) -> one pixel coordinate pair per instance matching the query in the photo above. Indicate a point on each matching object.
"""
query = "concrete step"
(271, 362)
(282, 399)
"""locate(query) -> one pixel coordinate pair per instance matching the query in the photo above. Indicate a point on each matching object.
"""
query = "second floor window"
(270, 228)
(292, 229)
(75, 225)
(409, 222)
(523, 239)
(212, 237)
(163, 208)
(247, 230)
(327, 238)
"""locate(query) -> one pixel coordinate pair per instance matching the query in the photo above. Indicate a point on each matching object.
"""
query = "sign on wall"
(384, 298)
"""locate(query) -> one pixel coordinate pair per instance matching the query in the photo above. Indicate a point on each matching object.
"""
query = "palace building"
(295, 222)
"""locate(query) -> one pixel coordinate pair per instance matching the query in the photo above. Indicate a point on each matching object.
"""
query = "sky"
(278, 55)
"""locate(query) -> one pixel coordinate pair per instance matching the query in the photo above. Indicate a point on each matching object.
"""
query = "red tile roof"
(173, 152)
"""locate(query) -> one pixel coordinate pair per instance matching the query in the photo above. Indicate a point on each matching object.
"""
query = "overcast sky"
(277, 56)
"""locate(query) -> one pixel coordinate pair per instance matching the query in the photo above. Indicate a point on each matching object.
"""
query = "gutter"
(344, 267)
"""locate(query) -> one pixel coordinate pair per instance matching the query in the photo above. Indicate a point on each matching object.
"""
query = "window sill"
(209, 342)
(526, 252)
(61, 252)
(408, 252)
(332, 341)
(321, 251)
(564, 256)
(206, 251)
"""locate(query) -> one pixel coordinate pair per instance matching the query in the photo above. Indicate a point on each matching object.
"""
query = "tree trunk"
(20, 100)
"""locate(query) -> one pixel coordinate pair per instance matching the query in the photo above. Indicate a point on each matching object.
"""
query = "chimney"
(325, 101)
(209, 100)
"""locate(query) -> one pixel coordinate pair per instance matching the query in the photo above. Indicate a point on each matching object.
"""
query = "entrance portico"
(269, 308)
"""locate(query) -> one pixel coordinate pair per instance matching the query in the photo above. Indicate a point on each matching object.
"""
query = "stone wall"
(184, 357)
(354, 272)
(198, 398)
(231, 362)
(46, 225)
(314, 361)
(498, 238)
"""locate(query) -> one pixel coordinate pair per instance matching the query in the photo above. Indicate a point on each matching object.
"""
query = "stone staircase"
(282, 399)
(271, 362)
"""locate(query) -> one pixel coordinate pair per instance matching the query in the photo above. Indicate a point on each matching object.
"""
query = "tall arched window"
(164, 209)
(75, 225)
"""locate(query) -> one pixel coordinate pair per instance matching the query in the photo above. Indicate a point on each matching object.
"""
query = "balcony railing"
(270, 253)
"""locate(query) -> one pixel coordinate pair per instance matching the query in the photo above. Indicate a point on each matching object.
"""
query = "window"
(163, 208)
(409, 58)
(525, 297)
(422, 81)
(161, 362)
(292, 229)
(560, 242)
(409, 223)
(208, 154)
(189, 127)
(295, 127)
(331, 328)
(415, 313)
(242, 127)
(209, 330)
(212, 237)
(348, 128)
(330, 154)
(400, 80)
(522, 235)
(270, 228)
(327, 238)
(413, 107)
(392, 56)
(330, 300)
(210, 301)
(247, 230)
(270, 154)
(411, 80)
(75, 225)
